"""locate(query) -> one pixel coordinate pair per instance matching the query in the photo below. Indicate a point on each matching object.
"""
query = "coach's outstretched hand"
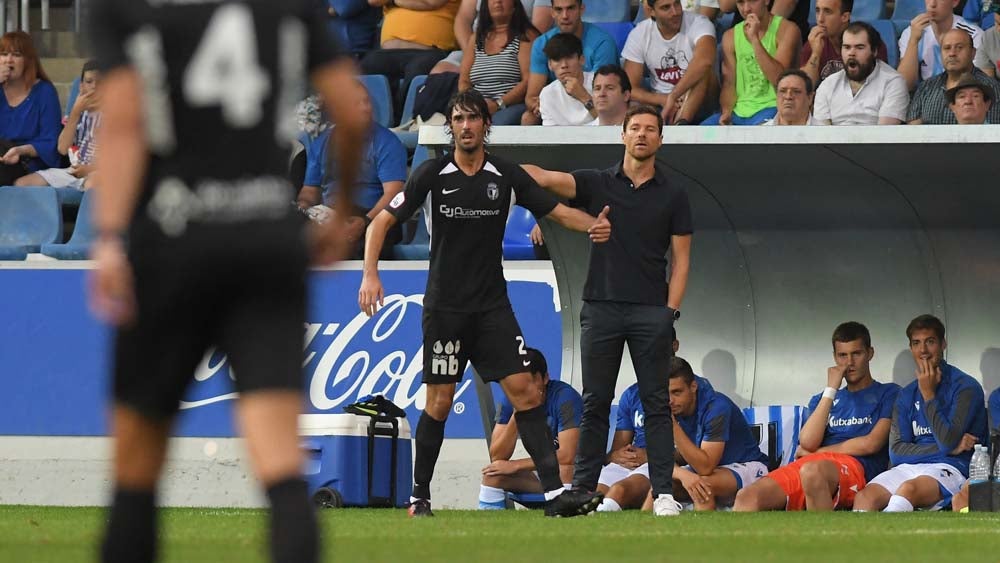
(112, 296)
(600, 231)
(371, 296)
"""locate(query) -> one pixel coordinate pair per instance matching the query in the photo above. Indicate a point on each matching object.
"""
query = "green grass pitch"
(69, 535)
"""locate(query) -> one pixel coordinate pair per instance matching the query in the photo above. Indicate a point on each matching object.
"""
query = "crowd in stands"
(863, 445)
(700, 62)
(38, 148)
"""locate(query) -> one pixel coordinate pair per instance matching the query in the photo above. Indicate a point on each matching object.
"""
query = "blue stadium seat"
(607, 11)
(639, 14)
(870, 10)
(888, 33)
(420, 247)
(69, 197)
(618, 30)
(74, 92)
(381, 96)
(904, 12)
(517, 237)
(78, 246)
(420, 154)
(409, 138)
(722, 24)
(29, 218)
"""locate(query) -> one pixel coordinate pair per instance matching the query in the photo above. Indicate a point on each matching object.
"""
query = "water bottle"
(979, 467)
(996, 470)
(980, 494)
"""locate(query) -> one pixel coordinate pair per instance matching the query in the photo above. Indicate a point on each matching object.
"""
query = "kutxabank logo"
(344, 361)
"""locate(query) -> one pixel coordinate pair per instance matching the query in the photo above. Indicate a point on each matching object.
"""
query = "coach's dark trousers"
(648, 330)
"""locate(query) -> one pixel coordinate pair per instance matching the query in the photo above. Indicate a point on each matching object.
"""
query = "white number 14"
(224, 70)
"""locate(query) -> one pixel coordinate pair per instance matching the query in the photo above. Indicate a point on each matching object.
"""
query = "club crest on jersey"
(397, 201)
(492, 191)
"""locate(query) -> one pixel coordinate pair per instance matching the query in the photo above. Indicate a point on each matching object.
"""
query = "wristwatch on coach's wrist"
(500, 104)
(589, 104)
(675, 314)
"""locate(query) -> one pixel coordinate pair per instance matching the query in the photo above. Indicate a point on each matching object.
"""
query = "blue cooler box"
(349, 459)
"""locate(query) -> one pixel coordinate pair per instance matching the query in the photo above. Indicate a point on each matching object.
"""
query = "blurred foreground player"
(197, 243)
(467, 314)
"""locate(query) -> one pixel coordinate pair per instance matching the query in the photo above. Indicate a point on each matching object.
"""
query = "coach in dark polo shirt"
(626, 297)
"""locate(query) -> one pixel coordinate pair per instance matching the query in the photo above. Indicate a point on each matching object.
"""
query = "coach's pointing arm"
(562, 185)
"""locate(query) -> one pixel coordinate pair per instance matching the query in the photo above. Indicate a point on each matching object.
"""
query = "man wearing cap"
(970, 100)
(929, 105)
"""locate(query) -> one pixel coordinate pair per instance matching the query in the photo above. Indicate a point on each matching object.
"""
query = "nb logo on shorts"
(444, 360)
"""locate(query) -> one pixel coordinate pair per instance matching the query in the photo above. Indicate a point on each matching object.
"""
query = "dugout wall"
(799, 229)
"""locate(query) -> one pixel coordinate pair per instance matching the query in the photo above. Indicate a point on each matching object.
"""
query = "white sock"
(567, 486)
(898, 504)
(415, 499)
(609, 505)
(549, 495)
(491, 494)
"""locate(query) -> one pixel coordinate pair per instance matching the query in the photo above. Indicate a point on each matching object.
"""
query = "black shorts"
(241, 288)
(491, 340)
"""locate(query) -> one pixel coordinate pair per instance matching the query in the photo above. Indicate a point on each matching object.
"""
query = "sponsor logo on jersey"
(852, 421)
(492, 191)
(463, 213)
(398, 200)
(444, 358)
(920, 430)
(638, 420)
(446, 191)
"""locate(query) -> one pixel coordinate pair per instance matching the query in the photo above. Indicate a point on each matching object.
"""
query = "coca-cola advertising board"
(54, 354)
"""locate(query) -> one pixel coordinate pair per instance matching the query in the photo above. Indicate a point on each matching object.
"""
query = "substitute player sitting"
(563, 407)
(712, 435)
(936, 421)
(467, 314)
(843, 443)
(625, 479)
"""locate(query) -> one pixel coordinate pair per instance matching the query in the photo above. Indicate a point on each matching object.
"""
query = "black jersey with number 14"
(468, 217)
(220, 82)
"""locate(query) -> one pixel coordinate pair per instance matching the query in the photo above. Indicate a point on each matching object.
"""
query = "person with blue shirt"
(844, 442)
(960, 502)
(935, 424)
(30, 116)
(564, 406)
(625, 479)
(599, 49)
(625, 476)
(354, 23)
(713, 437)
(382, 174)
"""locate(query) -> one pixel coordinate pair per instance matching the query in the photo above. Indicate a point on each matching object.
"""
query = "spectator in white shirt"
(867, 91)
(567, 100)
(795, 97)
(678, 49)
(612, 93)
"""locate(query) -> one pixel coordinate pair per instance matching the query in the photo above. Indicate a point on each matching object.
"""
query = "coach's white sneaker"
(665, 505)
